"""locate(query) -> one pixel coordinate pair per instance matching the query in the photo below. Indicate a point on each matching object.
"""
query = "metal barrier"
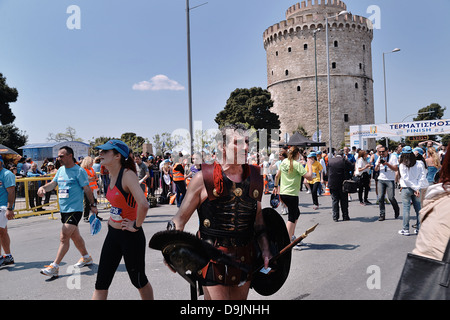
(28, 203)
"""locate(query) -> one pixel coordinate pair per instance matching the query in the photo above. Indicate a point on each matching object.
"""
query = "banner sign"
(358, 134)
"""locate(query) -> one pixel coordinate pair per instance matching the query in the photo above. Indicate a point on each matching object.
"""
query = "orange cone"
(327, 191)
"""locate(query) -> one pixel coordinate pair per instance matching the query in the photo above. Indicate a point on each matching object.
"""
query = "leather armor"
(228, 220)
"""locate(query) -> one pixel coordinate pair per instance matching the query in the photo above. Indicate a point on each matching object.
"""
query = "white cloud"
(157, 83)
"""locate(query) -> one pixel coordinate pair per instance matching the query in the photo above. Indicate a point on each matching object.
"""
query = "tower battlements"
(319, 5)
(313, 20)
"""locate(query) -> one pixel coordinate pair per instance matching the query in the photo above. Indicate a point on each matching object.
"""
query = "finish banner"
(358, 134)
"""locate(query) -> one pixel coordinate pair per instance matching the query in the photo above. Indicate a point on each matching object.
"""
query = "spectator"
(387, 165)
(433, 164)
(33, 187)
(142, 172)
(316, 180)
(412, 172)
(362, 169)
(50, 170)
(87, 164)
(338, 171)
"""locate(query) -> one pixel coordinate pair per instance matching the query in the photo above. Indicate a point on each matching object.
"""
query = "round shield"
(264, 283)
(183, 251)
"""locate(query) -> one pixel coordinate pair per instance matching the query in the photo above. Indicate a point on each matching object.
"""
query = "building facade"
(292, 47)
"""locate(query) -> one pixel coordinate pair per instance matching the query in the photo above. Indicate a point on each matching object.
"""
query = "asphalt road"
(361, 259)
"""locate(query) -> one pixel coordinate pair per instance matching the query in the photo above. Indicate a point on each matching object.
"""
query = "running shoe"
(84, 262)
(6, 260)
(404, 232)
(50, 271)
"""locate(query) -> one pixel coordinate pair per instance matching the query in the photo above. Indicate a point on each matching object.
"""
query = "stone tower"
(291, 73)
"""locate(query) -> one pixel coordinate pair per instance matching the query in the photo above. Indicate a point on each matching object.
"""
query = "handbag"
(350, 186)
(424, 278)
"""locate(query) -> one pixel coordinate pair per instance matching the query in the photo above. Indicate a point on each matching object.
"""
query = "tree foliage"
(133, 141)
(432, 112)
(250, 107)
(7, 96)
(12, 137)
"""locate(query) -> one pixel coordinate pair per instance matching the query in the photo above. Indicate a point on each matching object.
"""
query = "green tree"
(133, 141)
(7, 96)
(432, 112)
(12, 137)
(250, 107)
(97, 142)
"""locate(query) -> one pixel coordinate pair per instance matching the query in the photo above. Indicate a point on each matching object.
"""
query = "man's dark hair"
(69, 150)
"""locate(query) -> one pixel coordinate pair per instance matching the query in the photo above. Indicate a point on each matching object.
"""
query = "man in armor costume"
(228, 199)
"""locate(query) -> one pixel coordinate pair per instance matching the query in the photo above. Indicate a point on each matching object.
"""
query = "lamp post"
(328, 80)
(385, 95)
(317, 91)
(188, 28)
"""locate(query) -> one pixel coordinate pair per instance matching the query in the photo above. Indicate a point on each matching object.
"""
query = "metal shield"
(187, 254)
(270, 283)
(182, 251)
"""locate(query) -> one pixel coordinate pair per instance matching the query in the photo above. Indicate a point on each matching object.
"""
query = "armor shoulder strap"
(256, 183)
(208, 179)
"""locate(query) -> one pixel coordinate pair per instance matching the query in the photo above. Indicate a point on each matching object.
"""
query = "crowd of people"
(410, 170)
(127, 181)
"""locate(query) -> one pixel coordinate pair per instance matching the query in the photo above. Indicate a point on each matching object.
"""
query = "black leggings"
(130, 246)
(291, 203)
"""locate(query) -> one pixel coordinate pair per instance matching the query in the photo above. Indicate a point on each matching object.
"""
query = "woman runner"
(125, 236)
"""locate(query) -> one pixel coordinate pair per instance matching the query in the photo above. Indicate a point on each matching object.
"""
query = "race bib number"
(116, 214)
(64, 193)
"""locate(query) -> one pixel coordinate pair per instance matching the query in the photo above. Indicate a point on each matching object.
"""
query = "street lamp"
(385, 95)
(317, 91)
(328, 79)
(188, 27)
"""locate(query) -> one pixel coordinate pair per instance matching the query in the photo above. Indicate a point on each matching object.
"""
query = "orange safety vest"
(177, 175)
(91, 174)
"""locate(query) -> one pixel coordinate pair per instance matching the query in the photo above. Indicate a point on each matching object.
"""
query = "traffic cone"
(327, 191)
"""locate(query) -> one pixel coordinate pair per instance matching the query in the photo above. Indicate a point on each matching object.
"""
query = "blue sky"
(125, 70)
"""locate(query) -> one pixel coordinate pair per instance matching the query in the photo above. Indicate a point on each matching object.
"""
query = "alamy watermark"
(73, 22)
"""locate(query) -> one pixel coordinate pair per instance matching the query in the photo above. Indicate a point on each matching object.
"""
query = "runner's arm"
(47, 188)
(191, 201)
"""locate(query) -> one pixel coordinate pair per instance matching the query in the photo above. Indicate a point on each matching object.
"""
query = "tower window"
(305, 46)
(299, 88)
(287, 72)
(345, 117)
(336, 44)
(289, 49)
(360, 66)
(364, 47)
(276, 53)
(356, 85)
(333, 65)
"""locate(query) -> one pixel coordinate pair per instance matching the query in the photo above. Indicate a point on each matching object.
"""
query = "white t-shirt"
(385, 172)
